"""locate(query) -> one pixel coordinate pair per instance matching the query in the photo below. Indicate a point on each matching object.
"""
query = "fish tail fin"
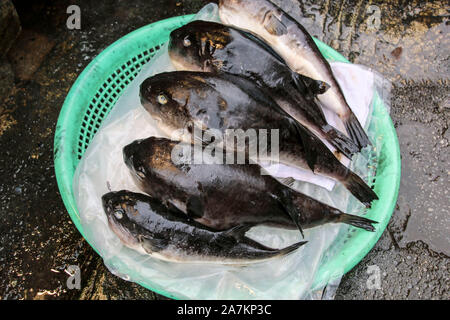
(356, 221)
(360, 189)
(340, 141)
(290, 249)
(270, 253)
(356, 131)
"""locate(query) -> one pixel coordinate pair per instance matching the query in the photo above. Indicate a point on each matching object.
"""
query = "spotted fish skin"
(220, 196)
(212, 47)
(147, 226)
(223, 196)
(198, 101)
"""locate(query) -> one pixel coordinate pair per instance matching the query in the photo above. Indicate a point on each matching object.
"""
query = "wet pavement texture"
(404, 40)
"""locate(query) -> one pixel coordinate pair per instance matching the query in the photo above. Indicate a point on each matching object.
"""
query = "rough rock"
(29, 52)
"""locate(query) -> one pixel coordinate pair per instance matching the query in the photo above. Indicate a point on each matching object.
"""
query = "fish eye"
(118, 213)
(187, 42)
(162, 99)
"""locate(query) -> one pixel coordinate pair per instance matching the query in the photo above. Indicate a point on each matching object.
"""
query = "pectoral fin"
(238, 232)
(232, 236)
(151, 245)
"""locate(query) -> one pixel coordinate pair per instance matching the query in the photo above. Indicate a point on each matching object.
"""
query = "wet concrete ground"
(408, 46)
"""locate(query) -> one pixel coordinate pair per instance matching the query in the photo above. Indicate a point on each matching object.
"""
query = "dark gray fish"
(223, 196)
(190, 100)
(292, 42)
(212, 47)
(146, 225)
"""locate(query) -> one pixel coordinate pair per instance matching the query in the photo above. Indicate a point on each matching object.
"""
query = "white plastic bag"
(290, 277)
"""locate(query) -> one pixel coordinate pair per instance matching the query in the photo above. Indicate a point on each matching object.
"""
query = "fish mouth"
(145, 86)
(177, 52)
(130, 151)
(108, 202)
(125, 236)
(146, 91)
(173, 39)
(133, 156)
(182, 63)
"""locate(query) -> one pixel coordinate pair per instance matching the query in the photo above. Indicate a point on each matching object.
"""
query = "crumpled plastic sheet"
(290, 277)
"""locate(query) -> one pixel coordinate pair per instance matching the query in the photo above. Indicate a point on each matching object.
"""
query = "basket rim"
(64, 159)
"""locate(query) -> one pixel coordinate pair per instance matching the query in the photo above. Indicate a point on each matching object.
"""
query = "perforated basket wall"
(107, 96)
(101, 84)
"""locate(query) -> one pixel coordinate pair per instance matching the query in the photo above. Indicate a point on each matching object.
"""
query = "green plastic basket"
(101, 84)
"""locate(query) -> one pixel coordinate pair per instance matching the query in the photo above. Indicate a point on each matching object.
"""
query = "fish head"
(145, 158)
(132, 217)
(194, 46)
(230, 3)
(166, 98)
(185, 51)
(236, 7)
(246, 7)
(248, 15)
(134, 156)
(120, 211)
